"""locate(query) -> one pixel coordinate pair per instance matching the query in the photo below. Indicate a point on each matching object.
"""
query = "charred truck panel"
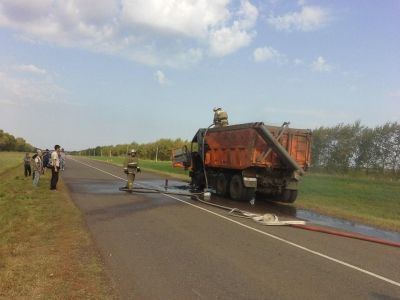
(240, 160)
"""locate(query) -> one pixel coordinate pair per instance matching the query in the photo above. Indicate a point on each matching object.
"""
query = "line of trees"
(160, 149)
(10, 143)
(344, 148)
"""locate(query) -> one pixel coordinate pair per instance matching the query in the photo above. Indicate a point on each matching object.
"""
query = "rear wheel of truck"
(238, 191)
(221, 185)
(288, 196)
(293, 197)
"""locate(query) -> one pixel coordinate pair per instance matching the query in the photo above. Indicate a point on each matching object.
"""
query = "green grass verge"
(366, 200)
(10, 160)
(45, 249)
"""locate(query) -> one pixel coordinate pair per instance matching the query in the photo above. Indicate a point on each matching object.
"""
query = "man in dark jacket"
(46, 160)
(27, 165)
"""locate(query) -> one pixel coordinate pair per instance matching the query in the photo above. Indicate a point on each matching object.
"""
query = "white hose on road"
(265, 219)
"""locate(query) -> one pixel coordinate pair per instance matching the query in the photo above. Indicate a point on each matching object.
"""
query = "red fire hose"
(346, 234)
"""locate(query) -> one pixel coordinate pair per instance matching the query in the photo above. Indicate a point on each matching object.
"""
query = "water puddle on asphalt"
(285, 212)
(346, 225)
(98, 187)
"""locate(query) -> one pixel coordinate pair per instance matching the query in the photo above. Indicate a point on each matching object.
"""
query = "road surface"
(158, 246)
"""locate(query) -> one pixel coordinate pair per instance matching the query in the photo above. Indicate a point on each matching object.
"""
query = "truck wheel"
(221, 186)
(288, 196)
(293, 197)
(238, 191)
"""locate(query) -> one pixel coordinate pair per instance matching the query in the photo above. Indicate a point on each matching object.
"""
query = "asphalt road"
(159, 246)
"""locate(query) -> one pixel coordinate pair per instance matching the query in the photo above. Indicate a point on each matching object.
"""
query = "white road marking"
(393, 282)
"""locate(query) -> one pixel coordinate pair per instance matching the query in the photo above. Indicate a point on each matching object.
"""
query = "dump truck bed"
(249, 145)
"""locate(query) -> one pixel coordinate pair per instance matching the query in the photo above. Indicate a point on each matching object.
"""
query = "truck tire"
(293, 197)
(288, 196)
(238, 191)
(221, 185)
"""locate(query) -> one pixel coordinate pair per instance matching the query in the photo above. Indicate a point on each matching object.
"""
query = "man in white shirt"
(55, 167)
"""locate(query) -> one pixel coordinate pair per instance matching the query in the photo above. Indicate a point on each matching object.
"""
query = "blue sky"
(82, 75)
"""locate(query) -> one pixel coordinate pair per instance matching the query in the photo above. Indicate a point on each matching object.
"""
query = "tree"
(9, 143)
(364, 158)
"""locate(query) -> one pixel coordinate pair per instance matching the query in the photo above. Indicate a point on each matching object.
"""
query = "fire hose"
(346, 234)
(266, 219)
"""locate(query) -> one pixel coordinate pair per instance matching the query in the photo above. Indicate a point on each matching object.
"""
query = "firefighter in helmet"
(131, 167)
(220, 117)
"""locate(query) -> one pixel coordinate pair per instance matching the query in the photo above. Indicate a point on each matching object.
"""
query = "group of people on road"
(55, 160)
(37, 164)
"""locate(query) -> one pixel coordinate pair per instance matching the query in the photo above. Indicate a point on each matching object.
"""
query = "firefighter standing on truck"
(131, 168)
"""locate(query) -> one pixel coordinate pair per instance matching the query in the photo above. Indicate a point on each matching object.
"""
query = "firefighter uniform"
(131, 167)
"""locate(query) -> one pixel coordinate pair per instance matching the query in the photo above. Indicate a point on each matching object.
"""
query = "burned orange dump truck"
(241, 160)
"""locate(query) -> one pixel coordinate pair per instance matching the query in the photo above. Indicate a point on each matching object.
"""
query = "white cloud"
(31, 69)
(168, 32)
(19, 91)
(267, 54)
(247, 15)
(320, 65)
(228, 39)
(160, 77)
(191, 18)
(307, 19)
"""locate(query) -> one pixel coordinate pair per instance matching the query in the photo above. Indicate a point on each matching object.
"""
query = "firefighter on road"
(131, 167)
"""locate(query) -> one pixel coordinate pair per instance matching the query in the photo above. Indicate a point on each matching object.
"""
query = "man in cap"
(131, 168)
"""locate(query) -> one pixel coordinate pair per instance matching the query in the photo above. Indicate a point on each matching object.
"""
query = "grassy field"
(366, 200)
(45, 249)
(9, 160)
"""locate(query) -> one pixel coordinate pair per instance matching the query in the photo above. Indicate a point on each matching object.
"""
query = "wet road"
(170, 247)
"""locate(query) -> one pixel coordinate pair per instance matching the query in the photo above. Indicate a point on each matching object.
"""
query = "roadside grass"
(366, 200)
(361, 199)
(45, 249)
(161, 167)
(10, 160)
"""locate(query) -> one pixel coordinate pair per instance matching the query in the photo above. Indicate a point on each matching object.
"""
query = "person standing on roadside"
(27, 165)
(55, 167)
(46, 160)
(37, 167)
(62, 159)
(41, 158)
